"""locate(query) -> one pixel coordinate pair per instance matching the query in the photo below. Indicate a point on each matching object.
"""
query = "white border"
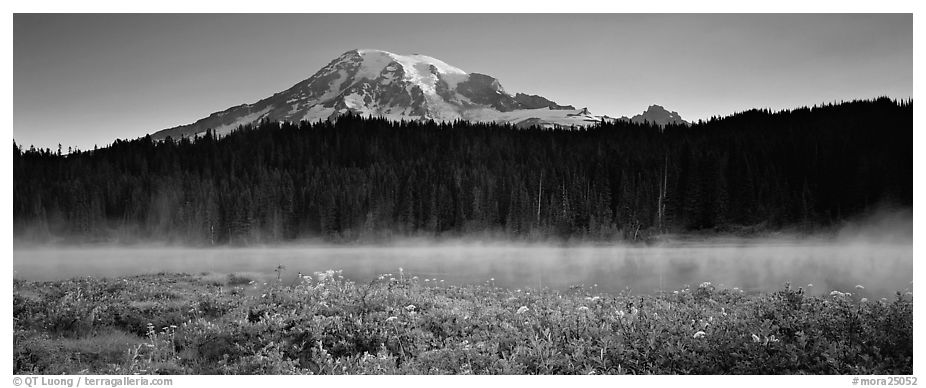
(469, 6)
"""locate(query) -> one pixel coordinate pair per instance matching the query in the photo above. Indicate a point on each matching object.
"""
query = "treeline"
(371, 178)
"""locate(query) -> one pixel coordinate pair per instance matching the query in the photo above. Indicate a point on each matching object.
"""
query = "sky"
(87, 79)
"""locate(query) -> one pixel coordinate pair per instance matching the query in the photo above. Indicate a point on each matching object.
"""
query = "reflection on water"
(881, 268)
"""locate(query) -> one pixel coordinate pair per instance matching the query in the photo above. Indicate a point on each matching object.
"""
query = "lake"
(881, 269)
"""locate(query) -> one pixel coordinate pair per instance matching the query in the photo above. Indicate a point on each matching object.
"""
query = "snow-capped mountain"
(658, 115)
(398, 87)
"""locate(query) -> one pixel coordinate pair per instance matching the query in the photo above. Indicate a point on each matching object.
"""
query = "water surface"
(881, 269)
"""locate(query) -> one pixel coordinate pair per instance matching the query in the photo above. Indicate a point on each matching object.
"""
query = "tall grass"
(326, 324)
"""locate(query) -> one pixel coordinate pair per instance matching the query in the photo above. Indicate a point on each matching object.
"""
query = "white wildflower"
(410, 307)
(699, 334)
(522, 310)
(705, 284)
(756, 338)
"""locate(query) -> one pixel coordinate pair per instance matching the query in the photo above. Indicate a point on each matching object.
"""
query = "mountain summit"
(658, 115)
(397, 87)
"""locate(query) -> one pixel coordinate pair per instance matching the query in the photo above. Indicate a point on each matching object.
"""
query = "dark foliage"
(371, 178)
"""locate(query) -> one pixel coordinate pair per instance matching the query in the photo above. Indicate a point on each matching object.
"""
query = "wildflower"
(756, 338)
(390, 319)
(770, 339)
(723, 311)
(414, 278)
(522, 310)
(705, 285)
(391, 279)
(410, 307)
(427, 280)
(699, 334)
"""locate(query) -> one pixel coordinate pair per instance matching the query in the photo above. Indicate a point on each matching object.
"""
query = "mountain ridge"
(380, 83)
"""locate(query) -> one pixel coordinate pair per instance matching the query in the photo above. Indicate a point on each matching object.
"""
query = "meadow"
(399, 323)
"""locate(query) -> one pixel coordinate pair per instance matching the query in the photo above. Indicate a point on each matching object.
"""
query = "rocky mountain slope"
(398, 87)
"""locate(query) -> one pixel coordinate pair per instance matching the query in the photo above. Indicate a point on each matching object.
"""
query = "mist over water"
(881, 267)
